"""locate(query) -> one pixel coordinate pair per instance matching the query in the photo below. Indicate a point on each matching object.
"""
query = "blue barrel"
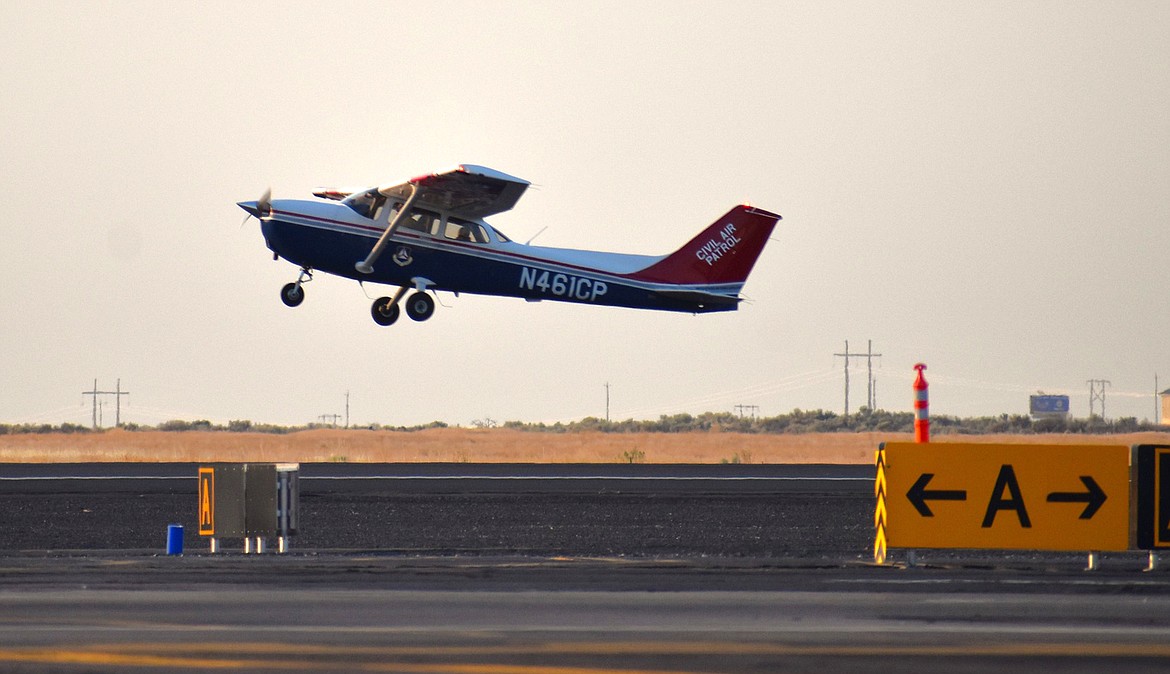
(175, 539)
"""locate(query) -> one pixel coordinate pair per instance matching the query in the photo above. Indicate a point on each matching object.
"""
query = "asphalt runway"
(569, 569)
(638, 510)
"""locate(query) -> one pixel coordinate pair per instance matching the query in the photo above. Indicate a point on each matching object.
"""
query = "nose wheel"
(292, 294)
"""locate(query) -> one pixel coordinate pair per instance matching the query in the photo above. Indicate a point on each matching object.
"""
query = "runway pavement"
(450, 568)
(733, 510)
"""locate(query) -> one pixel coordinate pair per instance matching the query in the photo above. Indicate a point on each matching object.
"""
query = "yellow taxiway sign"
(1028, 497)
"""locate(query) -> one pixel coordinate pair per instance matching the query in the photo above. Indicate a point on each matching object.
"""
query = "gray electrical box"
(249, 501)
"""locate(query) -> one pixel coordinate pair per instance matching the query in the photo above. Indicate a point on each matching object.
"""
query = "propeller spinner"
(259, 208)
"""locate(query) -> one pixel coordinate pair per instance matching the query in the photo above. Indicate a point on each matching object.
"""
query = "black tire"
(384, 312)
(420, 306)
(292, 295)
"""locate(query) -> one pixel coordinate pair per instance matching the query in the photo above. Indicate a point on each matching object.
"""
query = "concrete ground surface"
(515, 576)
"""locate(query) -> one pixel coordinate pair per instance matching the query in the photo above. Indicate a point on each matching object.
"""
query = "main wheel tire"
(292, 295)
(384, 312)
(420, 306)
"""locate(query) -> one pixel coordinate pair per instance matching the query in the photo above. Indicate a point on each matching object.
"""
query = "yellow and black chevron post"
(879, 514)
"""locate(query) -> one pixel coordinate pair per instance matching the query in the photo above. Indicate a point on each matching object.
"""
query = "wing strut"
(366, 266)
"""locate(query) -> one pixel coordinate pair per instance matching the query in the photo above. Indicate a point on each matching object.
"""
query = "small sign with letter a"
(206, 501)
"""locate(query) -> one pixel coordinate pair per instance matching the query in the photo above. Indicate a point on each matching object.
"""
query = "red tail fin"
(725, 252)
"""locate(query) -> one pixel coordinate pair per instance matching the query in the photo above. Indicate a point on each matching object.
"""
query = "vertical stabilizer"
(724, 253)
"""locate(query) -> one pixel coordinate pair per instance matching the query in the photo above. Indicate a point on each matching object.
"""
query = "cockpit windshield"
(367, 204)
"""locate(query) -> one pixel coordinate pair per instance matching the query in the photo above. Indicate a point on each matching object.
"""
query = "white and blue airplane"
(428, 234)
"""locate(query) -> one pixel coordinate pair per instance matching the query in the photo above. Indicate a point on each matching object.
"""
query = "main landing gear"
(419, 307)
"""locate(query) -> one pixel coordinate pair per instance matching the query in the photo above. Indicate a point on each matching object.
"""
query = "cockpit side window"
(421, 221)
(378, 208)
(462, 230)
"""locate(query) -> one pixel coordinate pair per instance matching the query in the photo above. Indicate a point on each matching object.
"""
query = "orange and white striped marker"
(921, 407)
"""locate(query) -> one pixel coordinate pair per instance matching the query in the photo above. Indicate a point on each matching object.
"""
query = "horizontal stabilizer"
(700, 297)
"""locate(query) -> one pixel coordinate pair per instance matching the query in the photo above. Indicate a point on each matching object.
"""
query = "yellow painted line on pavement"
(266, 655)
(112, 659)
(90, 658)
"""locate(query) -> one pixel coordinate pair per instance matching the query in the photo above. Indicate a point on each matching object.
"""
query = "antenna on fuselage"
(529, 242)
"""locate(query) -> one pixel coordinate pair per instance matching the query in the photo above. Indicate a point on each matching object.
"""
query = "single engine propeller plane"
(429, 234)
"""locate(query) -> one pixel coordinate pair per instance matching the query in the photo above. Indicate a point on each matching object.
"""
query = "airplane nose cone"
(252, 207)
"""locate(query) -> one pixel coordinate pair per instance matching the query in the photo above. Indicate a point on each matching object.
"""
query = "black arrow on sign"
(918, 495)
(1092, 498)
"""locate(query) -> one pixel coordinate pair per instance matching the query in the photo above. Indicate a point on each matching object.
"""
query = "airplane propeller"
(259, 208)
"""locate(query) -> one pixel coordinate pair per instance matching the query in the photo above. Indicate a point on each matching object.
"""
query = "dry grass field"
(457, 445)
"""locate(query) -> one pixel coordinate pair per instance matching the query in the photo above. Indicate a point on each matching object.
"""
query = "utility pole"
(606, 402)
(330, 418)
(846, 356)
(117, 393)
(93, 393)
(869, 356)
(347, 409)
(1097, 392)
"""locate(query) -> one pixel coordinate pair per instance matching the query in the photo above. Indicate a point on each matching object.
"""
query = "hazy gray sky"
(982, 186)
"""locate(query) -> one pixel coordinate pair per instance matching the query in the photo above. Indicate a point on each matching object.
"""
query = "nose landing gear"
(292, 294)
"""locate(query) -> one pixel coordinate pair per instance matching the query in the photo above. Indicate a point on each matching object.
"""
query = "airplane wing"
(467, 191)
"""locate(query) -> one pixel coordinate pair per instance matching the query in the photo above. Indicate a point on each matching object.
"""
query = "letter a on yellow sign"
(206, 501)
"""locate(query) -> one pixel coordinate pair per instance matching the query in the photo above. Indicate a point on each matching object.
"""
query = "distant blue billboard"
(1042, 405)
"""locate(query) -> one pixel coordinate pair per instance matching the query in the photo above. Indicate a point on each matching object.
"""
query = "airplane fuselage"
(331, 237)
